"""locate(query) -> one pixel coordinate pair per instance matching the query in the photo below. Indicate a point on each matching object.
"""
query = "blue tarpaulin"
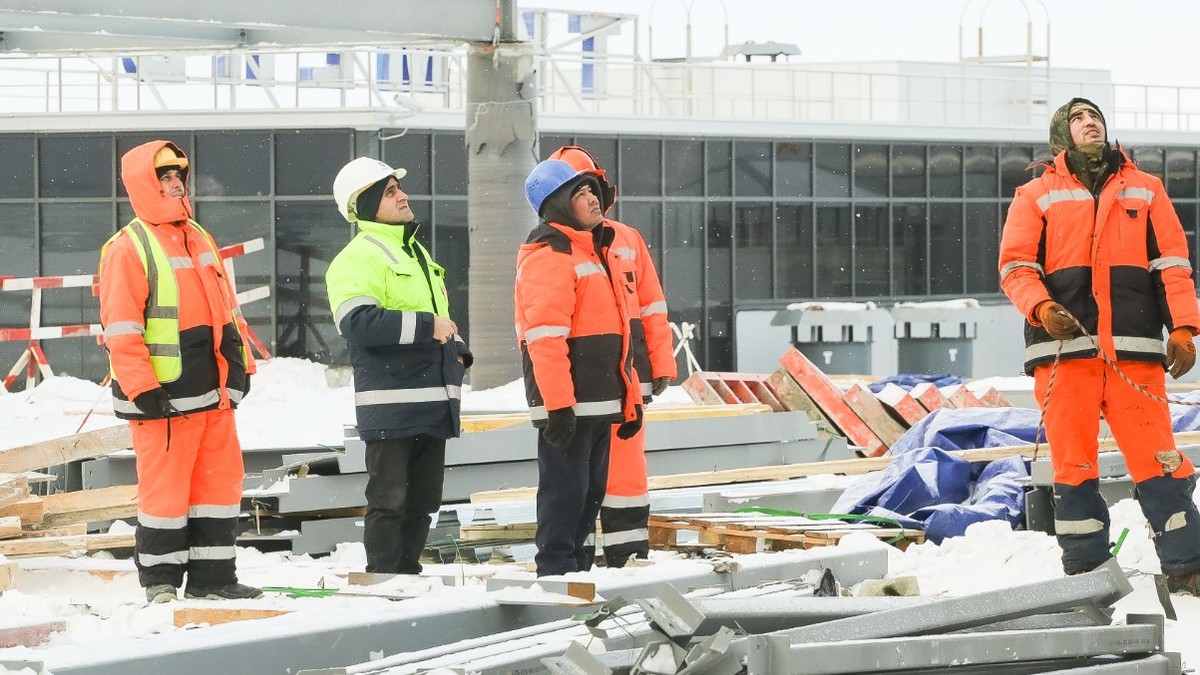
(909, 380)
(927, 488)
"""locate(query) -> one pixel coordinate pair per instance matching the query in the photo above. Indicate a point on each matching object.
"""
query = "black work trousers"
(404, 486)
(571, 484)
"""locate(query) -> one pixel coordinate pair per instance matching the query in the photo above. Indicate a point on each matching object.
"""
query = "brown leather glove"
(659, 385)
(1181, 352)
(1057, 321)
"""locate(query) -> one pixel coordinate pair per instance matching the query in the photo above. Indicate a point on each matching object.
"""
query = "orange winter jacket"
(572, 322)
(649, 331)
(215, 363)
(1117, 261)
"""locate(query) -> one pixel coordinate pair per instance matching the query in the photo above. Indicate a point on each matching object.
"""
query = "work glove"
(627, 430)
(1057, 321)
(1181, 352)
(560, 427)
(154, 403)
(659, 385)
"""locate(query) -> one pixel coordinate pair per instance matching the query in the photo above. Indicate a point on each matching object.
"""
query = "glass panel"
(1187, 212)
(752, 168)
(870, 171)
(17, 258)
(718, 347)
(982, 226)
(411, 152)
(910, 258)
(946, 249)
(641, 167)
(720, 168)
(16, 171)
(871, 264)
(1181, 173)
(548, 143)
(238, 163)
(684, 168)
(1149, 159)
(307, 161)
(834, 264)
(752, 271)
(945, 171)
(603, 149)
(1014, 169)
(908, 171)
(72, 234)
(794, 250)
(234, 223)
(982, 172)
(309, 234)
(833, 170)
(793, 169)
(453, 251)
(449, 164)
(71, 165)
(683, 268)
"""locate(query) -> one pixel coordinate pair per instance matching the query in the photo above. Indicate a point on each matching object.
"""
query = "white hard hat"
(357, 176)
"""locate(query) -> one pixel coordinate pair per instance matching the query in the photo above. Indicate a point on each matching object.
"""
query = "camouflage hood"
(1060, 124)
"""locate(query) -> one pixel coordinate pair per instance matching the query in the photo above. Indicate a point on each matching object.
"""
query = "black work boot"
(234, 591)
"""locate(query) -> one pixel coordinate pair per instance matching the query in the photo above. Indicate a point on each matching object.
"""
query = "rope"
(1108, 362)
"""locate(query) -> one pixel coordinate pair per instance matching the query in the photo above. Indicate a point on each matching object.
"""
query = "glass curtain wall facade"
(727, 220)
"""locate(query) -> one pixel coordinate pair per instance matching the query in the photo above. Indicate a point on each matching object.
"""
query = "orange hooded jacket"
(215, 362)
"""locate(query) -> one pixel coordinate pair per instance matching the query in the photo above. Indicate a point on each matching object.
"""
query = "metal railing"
(410, 80)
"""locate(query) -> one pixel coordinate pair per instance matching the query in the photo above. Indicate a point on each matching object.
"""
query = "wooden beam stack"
(871, 421)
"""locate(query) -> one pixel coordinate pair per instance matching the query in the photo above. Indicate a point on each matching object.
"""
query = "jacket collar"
(402, 234)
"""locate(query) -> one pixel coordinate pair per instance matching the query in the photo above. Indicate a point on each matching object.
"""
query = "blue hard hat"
(545, 178)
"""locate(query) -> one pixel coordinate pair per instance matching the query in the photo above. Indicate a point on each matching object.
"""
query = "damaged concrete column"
(501, 151)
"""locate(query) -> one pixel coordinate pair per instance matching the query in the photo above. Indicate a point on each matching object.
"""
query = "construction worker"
(1095, 243)
(176, 343)
(389, 302)
(625, 511)
(573, 331)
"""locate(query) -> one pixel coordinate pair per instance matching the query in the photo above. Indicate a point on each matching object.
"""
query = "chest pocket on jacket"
(404, 283)
(1131, 214)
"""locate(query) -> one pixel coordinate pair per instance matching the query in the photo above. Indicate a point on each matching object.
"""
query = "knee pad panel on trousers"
(1174, 521)
(1081, 522)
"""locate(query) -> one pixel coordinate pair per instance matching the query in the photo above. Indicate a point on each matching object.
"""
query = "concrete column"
(501, 151)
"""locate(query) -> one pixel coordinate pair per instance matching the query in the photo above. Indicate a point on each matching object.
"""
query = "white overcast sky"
(1140, 41)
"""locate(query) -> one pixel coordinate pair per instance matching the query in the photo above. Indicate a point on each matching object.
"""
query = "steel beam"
(777, 655)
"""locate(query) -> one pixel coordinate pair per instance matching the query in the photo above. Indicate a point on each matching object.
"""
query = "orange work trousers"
(1083, 390)
(201, 466)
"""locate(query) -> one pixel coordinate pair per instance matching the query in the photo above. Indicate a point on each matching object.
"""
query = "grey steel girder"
(1102, 586)
(776, 655)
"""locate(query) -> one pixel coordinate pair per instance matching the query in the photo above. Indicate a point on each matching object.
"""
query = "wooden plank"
(66, 449)
(700, 390)
(13, 488)
(829, 397)
(29, 510)
(991, 398)
(90, 506)
(64, 545)
(866, 406)
(930, 397)
(902, 404)
(961, 397)
(847, 467)
(197, 616)
(10, 526)
(30, 635)
(792, 397)
(72, 530)
(8, 575)
(512, 531)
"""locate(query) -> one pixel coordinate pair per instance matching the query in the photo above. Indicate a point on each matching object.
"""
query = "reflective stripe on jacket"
(1118, 262)
(573, 326)
(650, 337)
(185, 333)
(384, 291)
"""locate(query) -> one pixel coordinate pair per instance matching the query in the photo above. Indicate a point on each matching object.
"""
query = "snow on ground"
(291, 403)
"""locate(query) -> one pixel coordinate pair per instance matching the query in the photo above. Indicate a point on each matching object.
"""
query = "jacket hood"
(1060, 124)
(146, 195)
